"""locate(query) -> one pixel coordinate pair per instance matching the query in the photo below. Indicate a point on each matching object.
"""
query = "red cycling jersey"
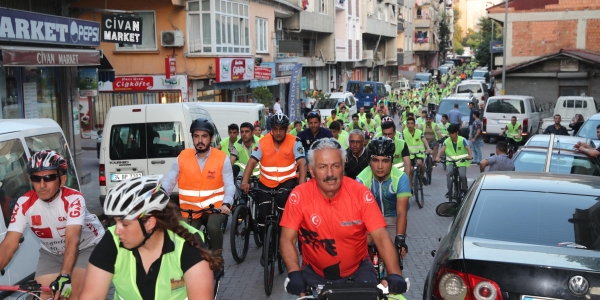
(333, 231)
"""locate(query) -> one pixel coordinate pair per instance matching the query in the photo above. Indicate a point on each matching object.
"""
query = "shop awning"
(51, 57)
(231, 85)
(257, 83)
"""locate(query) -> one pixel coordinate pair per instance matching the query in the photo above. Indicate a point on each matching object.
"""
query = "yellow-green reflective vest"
(414, 143)
(169, 284)
(243, 157)
(513, 131)
(460, 152)
(366, 176)
(444, 129)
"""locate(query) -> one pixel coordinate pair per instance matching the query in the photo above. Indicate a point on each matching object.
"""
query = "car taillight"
(102, 176)
(484, 125)
(525, 125)
(455, 285)
(482, 97)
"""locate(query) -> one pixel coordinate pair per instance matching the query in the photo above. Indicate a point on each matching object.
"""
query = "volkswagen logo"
(578, 285)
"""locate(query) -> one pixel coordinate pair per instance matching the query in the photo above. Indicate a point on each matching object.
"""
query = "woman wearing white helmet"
(149, 253)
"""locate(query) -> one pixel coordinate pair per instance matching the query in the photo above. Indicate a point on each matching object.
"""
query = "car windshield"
(538, 218)
(448, 105)
(479, 73)
(533, 161)
(505, 106)
(443, 70)
(327, 103)
(469, 88)
(544, 140)
(423, 77)
(588, 130)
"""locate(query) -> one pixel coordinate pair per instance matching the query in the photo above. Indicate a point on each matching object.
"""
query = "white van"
(325, 106)
(19, 139)
(500, 109)
(225, 113)
(145, 139)
(476, 87)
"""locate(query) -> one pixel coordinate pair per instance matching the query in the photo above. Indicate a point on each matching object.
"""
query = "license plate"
(465, 123)
(536, 298)
(119, 177)
(503, 121)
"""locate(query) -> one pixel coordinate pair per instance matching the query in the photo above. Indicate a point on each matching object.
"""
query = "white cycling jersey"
(49, 221)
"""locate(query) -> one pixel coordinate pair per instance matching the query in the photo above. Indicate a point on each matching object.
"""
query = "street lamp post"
(492, 53)
(505, 30)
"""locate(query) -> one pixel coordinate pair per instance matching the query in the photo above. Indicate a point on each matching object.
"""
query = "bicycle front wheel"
(417, 188)
(451, 190)
(256, 233)
(269, 257)
(240, 233)
(428, 168)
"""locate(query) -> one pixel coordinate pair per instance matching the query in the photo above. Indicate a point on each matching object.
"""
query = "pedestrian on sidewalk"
(476, 139)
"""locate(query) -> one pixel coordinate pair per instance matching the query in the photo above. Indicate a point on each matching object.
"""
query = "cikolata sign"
(234, 69)
(133, 83)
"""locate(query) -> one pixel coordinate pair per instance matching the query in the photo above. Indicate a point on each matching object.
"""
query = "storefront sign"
(496, 47)
(121, 29)
(304, 83)
(22, 56)
(284, 69)
(262, 73)
(234, 69)
(134, 83)
(294, 95)
(271, 65)
(23, 26)
(30, 100)
(88, 82)
(170, 67)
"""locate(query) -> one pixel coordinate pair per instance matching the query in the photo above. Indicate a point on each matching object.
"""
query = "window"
(166, 139)
(575, 103)
(588, 130)
(126, 141)
(262, 33)
(322, 6)
(56, 142)
(148, 34)
(231, 24)
(506, 106)
(469, 88)
(573, 91)
(13, 175)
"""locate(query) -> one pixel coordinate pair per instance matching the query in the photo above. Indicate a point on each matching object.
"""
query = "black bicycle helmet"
(382, 146)
(47, 160)
(202, 124)
(280, 120)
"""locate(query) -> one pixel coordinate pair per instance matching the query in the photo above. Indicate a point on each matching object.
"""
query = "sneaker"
(473, 163)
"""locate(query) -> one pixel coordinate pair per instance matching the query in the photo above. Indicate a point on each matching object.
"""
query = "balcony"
(424, 44)
(422, 21)
(378, 27)
(400, 26)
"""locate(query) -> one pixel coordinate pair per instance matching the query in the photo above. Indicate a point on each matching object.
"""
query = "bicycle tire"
(280, 263)
(256, 233)
(421, 201)
(457, 190)
(428, 168)
(240, 233)
(451, 190)
(415, 185)
(216, 288)
(444, 164)
(269, 267)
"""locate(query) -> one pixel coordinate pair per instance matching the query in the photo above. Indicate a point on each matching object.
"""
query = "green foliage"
(458, 49)
(263, 95)
(457, 15)
(482, 54)
(471, 35)
(444, 34)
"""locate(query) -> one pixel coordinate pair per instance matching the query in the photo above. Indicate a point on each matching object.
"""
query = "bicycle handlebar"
(30, 287)
(211, 209)
(271, 193)
(455, 161)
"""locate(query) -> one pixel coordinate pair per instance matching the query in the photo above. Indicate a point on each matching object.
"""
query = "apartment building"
(427, 15)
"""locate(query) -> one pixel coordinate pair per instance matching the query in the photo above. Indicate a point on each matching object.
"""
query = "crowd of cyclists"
(348, 182)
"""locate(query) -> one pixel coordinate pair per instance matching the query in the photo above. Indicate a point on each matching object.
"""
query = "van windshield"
(327, 103)
(422, 77)
(469, 88)
(151, 140)
(506, 106)
(479, 73)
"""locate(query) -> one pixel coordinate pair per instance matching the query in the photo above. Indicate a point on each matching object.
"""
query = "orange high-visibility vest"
(198, 189)
(277, 166)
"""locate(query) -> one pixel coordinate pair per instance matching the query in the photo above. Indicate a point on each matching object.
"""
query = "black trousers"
(264, 206)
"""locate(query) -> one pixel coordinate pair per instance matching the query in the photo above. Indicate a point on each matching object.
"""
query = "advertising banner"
(496, 47)
(234, 69)
(262, 73)
(134, 83)
(88, 82)
(294, 94)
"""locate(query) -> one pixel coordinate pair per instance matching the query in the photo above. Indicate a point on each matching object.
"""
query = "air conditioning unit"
(279, 24)
(171, 38)
(367, 54)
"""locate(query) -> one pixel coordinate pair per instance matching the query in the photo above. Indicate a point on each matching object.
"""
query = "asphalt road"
(245, 280)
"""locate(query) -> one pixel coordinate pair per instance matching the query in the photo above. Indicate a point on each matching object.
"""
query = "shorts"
(364, 273)
(52, 264)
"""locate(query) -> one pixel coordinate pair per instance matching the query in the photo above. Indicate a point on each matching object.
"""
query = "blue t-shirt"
(386, 199)
(307, 138)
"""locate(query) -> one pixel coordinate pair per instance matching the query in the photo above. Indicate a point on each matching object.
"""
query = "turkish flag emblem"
(36, 220)
(43, 233)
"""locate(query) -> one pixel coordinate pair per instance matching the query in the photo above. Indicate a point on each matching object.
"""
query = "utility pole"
(492, 53)
(505, 30)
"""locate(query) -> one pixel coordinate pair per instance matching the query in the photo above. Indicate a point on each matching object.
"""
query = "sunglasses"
(46, 178)
(331, 140)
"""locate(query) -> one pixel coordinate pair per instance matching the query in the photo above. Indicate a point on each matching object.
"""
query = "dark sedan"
(520, 236)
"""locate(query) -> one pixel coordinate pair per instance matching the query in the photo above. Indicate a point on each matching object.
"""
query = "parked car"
(366, 92)
(588, 129)
(520, 236)
(538, 156)
(422, 79)
(19, 139)
(475, 87)
(325, 106)
(567, 107)
(446, 69)
(401, 84)
(99, 142)
(500, 109)
(447, 104)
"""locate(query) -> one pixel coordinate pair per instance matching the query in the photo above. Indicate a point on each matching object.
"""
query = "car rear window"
(469, 88)
(575, 103)
(528, 161)
(479, 73)
(368, 88)
(506, 106)
(537, 218)
(422, 77)
(448, 105)
(327, 103)
(151, 140)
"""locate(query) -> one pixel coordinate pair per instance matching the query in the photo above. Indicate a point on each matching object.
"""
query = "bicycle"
(271, 251)
(243, 222)
(428, 167)
(443, 157)
(32, 288)
(511, 144)
(417, 183)
(218, 274)
(378, 265)
(455, 193)
(350, 290)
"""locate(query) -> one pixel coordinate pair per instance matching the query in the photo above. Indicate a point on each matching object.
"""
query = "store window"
(40, 95)
(9, 99)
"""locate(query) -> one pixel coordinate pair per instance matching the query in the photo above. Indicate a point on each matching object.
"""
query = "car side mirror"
(447, 209)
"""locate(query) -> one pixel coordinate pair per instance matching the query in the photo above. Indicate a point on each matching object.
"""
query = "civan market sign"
(121, 29)
(23, 56)
(22, 26)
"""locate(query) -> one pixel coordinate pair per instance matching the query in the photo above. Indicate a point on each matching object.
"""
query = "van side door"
(14, 183)
(534, 116)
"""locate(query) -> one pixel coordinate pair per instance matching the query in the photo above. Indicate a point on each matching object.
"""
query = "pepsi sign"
(23, 26)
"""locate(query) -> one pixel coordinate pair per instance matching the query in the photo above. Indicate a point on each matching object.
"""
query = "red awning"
(30, 56)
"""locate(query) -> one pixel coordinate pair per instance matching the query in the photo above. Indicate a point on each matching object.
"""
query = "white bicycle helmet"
(135, 197)
(387, 119)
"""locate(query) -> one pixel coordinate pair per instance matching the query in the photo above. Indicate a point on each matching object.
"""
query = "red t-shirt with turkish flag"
(333, 232)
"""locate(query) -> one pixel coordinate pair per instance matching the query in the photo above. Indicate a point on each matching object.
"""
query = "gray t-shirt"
(500, 163)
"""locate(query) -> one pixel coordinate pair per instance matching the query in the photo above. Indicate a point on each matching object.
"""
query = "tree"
(457, 14)
(458, 32)
(263, 95)
(444, 35)
(459, 49)
(482, 54)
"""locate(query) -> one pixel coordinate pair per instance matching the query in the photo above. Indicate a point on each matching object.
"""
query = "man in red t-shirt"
(332, 214)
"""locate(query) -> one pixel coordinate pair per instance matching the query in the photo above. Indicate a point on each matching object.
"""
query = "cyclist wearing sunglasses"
(58, 216)
(149, 253)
